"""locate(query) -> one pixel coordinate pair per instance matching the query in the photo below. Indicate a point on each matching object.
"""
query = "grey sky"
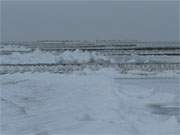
(89, 20)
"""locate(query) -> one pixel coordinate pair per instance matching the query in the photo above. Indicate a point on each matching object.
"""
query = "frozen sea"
(89, 102)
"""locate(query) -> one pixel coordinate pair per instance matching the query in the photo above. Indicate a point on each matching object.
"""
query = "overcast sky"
(57, 20)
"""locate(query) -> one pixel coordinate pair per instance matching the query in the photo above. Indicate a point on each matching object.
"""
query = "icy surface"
(13, 48)
(87, 102)
(146, 59)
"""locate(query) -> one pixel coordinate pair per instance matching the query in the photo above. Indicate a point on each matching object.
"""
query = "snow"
(99, 102)
(87, 102)
(78, 56)
(38, 56)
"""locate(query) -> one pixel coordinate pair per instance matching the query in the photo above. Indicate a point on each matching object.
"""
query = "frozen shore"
(88, 102)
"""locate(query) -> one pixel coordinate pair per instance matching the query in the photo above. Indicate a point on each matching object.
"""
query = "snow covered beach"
(88, 102)
(90, 67)
(98, 100)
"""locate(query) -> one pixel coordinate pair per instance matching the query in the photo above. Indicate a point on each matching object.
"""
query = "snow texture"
(88, 102)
